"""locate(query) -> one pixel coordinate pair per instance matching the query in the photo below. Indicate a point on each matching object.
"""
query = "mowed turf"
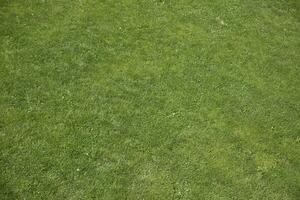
(150, 99)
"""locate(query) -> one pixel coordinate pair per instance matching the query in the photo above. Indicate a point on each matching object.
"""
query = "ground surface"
(150, 99)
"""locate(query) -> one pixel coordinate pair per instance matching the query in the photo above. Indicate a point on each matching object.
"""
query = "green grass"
(150, 99)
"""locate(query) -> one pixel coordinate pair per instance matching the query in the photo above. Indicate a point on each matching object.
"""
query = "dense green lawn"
(150, 99)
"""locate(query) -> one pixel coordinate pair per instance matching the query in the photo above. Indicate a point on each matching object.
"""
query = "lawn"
(150, 99)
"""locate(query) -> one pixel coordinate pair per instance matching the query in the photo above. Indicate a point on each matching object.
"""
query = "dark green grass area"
(150, 99)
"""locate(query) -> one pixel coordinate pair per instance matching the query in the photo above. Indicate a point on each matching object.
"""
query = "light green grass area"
(150, 99)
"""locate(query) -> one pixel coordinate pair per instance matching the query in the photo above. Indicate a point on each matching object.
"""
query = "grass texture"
(150, 99)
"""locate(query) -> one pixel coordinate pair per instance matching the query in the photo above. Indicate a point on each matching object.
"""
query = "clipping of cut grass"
(153, 99)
